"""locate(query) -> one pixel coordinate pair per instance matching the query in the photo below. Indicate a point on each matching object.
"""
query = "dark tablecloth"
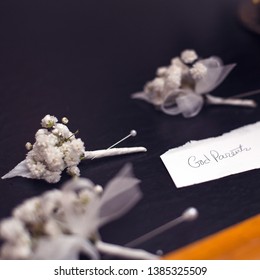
(83, 59)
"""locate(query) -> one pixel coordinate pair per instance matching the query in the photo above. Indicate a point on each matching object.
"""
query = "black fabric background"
(83, 59)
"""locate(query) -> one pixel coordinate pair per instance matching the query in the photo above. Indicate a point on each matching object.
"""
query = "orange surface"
(239, 242)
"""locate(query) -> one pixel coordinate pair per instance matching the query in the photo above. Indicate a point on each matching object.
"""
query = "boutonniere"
(56, 148)
(61, 224)
(185, 85)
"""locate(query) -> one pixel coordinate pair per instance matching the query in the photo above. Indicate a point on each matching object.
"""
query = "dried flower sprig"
(183, 87)
(61, 224)
(56, 148)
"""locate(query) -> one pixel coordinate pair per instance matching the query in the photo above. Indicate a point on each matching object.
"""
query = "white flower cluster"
(55, 149)
(183, 72)
(46, 216)
(61, 224)
(185, 85)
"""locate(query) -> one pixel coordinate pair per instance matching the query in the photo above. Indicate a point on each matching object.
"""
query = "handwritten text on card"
(213, 158)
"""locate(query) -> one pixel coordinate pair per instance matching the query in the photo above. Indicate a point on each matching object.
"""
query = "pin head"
(98, 189)
(159, 252)
(133, 133)
(190, 214)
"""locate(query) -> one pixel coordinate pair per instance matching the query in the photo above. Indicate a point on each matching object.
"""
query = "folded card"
(209, 159)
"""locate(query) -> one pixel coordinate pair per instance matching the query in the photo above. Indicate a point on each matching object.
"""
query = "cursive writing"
(215, 156)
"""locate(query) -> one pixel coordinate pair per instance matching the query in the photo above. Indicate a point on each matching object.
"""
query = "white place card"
(205, 160)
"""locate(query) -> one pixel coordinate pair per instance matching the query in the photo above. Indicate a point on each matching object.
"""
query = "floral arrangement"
(183, 87)
(55, 149)
(61, 224)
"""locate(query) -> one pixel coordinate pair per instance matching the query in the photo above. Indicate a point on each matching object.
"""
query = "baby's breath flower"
(53, 151)
(45, 140)
(42, 131)
(52, 177)
(51, 204)
(73, 152)
(13, 230)
(11, 251)
(37, 168)
(86, 195)
(54, 159)
(28, 146)
(29, 211)
(189, 56)
(73, 171)
(176, 61)
(154, 89)
(51, 228)
(63, 130)
(49, 121)
(155, 85)
(173, 80)
(56, 132)
(161, 71)
(64, 120)
(198, 71)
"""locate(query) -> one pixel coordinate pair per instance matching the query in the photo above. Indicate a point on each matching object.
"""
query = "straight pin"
(246, 94)
(189, 214)
(132, 133)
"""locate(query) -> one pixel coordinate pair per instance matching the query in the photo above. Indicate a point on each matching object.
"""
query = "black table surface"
(83, 59)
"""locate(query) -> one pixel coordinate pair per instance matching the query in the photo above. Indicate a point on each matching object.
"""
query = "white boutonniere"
(56, 148)
(185, 85)
(61, 224)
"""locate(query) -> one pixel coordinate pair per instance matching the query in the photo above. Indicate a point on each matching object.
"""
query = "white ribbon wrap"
(22, 170)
